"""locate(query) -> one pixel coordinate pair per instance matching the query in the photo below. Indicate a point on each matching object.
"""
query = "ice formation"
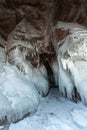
(18, 95)
(40, 82)
(43, 70)
(21, 48)
(72, 61)
(54, 67)
(20, 92)
(34, 74)
(2, 50)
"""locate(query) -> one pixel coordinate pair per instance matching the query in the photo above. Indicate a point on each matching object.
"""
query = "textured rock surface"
(39, 12)
(71, 11)
(33, 21)
(7, 21)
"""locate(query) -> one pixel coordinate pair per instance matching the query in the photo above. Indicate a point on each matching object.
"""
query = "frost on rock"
(23, 44)
(34, 74)
(18, 96)
(72, 61)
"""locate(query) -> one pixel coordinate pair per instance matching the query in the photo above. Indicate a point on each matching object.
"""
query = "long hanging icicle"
(72, 61)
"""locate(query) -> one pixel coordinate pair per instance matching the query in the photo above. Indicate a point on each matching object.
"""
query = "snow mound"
(18, 96)
(55, 123)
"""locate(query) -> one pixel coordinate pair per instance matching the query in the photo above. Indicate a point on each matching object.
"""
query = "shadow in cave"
(44, 60)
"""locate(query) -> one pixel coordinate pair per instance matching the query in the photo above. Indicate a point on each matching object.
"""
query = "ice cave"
(43, 64)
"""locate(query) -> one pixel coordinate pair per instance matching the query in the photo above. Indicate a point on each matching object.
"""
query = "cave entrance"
(46, 61)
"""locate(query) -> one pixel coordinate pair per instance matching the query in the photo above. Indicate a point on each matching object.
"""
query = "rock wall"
(31, 26)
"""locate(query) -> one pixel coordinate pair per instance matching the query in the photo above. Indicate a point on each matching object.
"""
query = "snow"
(80, 117)
(55, 113)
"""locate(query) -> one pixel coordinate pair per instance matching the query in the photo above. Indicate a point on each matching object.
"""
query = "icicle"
(72, 60)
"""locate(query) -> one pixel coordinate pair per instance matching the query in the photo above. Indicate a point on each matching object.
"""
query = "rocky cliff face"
(39, 12)
(33, 21)
(71, 11)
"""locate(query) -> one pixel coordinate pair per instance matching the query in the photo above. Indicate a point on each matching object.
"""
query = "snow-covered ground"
(55, 113)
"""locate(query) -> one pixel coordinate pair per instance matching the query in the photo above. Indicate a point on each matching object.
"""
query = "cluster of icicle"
(72, 62)
(20, 48)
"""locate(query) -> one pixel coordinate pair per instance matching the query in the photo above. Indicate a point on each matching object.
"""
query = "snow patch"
(80, 117)
(54, 113)
(57, 124)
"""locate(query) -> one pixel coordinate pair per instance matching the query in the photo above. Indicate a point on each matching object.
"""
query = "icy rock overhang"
(24, 46)
(72, 61)
(20, 92)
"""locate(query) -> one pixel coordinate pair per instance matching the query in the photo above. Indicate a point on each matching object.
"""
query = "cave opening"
(46, 62)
